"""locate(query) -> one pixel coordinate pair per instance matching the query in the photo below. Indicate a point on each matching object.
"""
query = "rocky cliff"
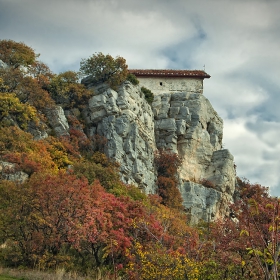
(187, 124)
(184, 122)
(127, 122)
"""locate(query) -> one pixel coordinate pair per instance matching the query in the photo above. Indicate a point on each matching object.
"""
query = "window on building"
(160, 83)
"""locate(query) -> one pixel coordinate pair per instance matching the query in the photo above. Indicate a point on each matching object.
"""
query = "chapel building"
(170, 81)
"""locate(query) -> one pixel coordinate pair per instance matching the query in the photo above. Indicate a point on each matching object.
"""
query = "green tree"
(149, 96)
(104, 68)
(133, 79)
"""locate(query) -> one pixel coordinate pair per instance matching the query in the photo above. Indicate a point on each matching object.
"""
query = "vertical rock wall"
(126, 120)
(184, 122)
(187, 124)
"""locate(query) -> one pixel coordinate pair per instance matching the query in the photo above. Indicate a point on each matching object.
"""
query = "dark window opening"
(160, 83)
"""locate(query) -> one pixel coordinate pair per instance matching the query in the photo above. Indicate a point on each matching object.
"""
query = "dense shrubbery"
(149, 96)
(73, 212)
(132, 78)
(13, 111)
(84, 217)
(167, 166)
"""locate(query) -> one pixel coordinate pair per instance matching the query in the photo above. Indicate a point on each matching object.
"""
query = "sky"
(237, 41)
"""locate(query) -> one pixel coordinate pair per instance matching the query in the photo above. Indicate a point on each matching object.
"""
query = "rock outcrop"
(8, 171)
(3, 65)
(57, 121)
(185, 123)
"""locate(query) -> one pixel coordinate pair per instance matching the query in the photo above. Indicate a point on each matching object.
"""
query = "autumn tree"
(12, 229)
(18, 146)
(153, 261)
(16, 54)
(3, 87)
(11, 78)
(12, 110)
(99, 167)
(41, 72)
(45, 212)
(163, 245)
(259, 219)
(29, 82)
(104, 68)
(62, 213)
(223, 252)
(66, 90)
(245, 245)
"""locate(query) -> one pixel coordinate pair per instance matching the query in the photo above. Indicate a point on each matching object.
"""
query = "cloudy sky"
(238, 41)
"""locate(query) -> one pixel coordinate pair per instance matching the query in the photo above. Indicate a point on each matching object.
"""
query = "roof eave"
(173, 76)
(149, 73)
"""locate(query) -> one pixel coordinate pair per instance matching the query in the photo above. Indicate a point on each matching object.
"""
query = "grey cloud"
(268, 132)
(270, 156)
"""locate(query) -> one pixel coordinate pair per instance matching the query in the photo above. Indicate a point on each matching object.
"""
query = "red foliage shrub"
(167, 163)
(23, 162)
(167, 166)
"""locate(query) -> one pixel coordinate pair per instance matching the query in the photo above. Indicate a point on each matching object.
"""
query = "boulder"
(57, 121)
(3, 65)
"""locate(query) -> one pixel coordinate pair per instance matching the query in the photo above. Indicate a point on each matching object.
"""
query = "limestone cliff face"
(184, 122)
(187, 124)
(126, 120)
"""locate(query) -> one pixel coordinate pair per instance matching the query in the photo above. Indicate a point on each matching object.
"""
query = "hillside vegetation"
(63, 205)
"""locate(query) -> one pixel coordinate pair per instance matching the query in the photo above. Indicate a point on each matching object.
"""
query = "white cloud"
(238, 42)
(256, 156)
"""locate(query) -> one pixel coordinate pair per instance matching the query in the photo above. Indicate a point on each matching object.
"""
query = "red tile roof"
(169, 73)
